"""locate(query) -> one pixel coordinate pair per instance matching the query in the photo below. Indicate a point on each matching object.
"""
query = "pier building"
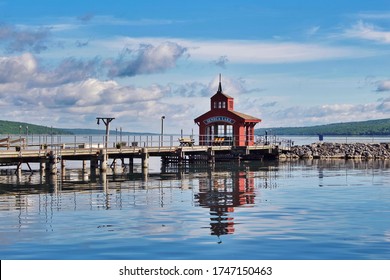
(221, 125)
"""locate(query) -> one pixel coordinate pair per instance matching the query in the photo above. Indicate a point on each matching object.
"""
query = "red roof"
(233, 114)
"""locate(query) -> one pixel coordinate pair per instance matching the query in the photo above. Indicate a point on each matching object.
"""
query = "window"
(229, 130)
(223, 104)
(221, 130)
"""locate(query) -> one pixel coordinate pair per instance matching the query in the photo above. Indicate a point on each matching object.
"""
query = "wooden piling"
(63, 166)
(103, 160)
(18, 171)
(210, 155)
(42, 165)
(51, 163)
(94, 162)
(181, 157)
(131, 165)
(84, 166)
(145, 158)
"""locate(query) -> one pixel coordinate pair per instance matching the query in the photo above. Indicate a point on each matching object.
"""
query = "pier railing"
(58, 142)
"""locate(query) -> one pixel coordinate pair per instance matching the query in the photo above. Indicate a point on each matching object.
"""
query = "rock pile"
(338, 151)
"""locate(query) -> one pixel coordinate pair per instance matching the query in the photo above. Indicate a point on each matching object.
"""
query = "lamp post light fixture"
(162, 130)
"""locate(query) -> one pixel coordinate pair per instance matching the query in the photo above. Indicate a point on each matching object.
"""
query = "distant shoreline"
(369, 128)
(362, 128)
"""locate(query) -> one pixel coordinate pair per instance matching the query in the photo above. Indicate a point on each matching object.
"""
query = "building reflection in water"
(219, 188)
(221, 193)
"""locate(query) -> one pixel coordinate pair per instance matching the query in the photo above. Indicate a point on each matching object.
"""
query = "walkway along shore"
(326, 150)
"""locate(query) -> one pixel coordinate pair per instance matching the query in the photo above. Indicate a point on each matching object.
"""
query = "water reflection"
(221, 188)
(222, 192)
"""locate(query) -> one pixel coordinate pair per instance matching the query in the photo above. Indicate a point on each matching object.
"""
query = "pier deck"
(100, 156)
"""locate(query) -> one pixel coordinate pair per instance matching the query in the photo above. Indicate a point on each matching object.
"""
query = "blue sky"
(290, 63)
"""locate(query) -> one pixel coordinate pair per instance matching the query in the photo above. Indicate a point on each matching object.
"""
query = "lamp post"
(27, 136)
(20, 136)
(162, 130)
(106, 121)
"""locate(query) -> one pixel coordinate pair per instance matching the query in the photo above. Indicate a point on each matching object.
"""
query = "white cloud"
(383, 85)
(374, 15)
(68, 89)
(90, 92)
(246, 51)
(230, 86)
(366, 31)
(269, 52)
(324, 114)
(313, 30)
(146, 59)
(111, 20)
(17, 69)
(26, 70)
(221, 61)
(90, 20)
(72, 103)
(79, 87)
(20, 39)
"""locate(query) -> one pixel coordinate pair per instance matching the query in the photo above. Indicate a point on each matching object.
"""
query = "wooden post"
(145, 159)
(94, 163)
(181, 157)
(84, 166)
(42, 164)
(131, 165)
(52, 163)
(63, 167)
(103, 160)
(210, 155)
(19, 170)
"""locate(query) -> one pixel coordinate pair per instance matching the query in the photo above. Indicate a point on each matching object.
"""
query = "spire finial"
(220, 84)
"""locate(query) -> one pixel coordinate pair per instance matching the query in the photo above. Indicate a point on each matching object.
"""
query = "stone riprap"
(338, 151)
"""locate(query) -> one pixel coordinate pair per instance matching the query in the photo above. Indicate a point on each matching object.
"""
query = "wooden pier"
(50, 158)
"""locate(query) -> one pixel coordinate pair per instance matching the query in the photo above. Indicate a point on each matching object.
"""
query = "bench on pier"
(218, 141)
(186, 141)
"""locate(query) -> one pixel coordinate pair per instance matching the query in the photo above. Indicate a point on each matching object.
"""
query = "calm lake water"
(259, 210)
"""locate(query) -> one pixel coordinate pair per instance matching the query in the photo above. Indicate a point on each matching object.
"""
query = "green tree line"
(363, 128)
(9, 127)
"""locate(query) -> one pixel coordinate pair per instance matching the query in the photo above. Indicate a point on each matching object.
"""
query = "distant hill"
(363, 128)
(88, 131)
(373, 127)
(8, 127)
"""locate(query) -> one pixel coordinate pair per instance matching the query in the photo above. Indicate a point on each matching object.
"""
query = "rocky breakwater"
(338, 151)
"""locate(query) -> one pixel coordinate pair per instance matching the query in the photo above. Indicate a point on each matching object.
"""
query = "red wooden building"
(224, 126)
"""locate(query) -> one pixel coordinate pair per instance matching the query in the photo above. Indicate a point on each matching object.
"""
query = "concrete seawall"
(338, 151)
